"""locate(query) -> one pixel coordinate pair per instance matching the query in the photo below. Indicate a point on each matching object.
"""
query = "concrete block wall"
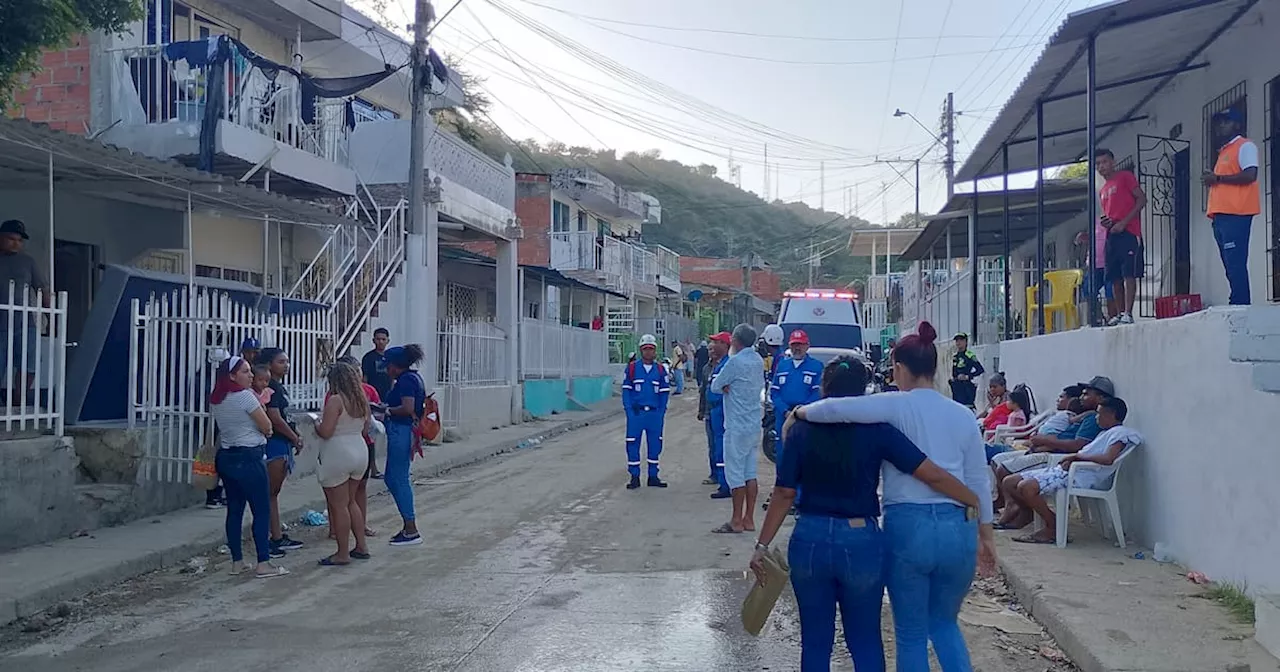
(591, 390)
(37, 491)
(1255, 339)
(58, 93)
(1203, 481)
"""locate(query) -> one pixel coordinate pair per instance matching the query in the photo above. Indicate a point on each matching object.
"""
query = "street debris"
(1053, 653)
(195, 565)
(533, 442)
(314, 518)
(1139, 556)
(1198, 578)
(985, 612)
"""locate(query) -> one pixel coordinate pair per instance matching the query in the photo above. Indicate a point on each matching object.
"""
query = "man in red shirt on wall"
(1122, 202)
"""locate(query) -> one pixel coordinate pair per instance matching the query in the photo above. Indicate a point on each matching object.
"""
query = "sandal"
(360, 555)
(726, 529)
(238, 568)
(370, 533)
(330, 562)
(1032, 539)
(276, 570)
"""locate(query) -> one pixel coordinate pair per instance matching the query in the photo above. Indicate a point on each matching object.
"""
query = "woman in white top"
(932, 542)
(343, 460)
(243, 428)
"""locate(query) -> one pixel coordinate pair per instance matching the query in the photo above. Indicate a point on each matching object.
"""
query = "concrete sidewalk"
(1111, 612)
(35, 578)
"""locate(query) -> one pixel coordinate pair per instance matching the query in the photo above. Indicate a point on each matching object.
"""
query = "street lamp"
(899, 112)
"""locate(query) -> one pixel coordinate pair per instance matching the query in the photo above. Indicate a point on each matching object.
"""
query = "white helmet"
(648, 339)
(773, 335)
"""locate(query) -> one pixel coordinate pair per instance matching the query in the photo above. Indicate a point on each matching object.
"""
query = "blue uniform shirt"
(645, 388)
(795, 383)
(715, 399)
(409, 384)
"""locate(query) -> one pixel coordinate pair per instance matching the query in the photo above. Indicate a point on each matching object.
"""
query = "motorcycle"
(769, 440)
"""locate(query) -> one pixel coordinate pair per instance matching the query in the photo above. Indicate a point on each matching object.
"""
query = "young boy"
(1030, 490)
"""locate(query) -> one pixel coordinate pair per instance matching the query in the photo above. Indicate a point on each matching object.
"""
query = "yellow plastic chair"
(1062, 299)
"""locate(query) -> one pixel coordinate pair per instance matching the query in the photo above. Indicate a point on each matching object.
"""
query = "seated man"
(1082, 430)
(1030, 490)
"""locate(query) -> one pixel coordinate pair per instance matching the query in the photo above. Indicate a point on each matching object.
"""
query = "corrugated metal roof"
(1064, 201)
(1136, 38)
(90, 166)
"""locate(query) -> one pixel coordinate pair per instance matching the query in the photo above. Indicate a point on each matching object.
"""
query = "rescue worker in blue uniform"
(965, 367)
(798, 381)
(645, 391)
(715, 414)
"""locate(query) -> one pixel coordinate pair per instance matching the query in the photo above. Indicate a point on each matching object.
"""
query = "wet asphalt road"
(535, 562)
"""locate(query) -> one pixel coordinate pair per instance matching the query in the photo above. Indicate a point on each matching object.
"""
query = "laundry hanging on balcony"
(214, 51)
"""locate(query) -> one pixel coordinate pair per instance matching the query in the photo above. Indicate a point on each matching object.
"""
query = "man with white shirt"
(1234, 199)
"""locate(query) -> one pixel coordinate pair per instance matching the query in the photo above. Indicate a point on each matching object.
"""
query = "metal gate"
(1164, 171)
(178, 340)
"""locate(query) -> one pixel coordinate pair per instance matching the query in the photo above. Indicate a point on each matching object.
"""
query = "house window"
(582, 221)
(559, 217)
(231, 274)
(603, 227)
(1235, 99)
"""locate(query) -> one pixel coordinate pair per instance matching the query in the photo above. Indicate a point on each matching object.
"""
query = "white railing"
(554, 350)
(473, 353)
(875, 317)
(34, 358)
(150, 89)
(574, 251)
(615, 264)
(948, 309)
(644, 265)
(176, 342)
(668, 268)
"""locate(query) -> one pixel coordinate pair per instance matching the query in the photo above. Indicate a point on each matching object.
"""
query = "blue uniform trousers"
(647, 423)
(715, 424)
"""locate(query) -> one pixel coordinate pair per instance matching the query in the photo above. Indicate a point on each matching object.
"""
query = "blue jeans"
(932, 555)
(396, 473)
(679, 374)
(1231, 232)
(243, 471)
(715, 418)
(832, 561)
(711, 447)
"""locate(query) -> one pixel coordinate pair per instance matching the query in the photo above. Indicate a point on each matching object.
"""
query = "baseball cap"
(1102, 384)
(251, 343)
(723, 337)
(798, 336)
(960, 335)
(15, 226)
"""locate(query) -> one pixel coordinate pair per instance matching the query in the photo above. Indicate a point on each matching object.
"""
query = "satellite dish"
(695, 295)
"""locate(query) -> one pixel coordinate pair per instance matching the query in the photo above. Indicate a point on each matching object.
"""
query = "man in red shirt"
(1122, 202)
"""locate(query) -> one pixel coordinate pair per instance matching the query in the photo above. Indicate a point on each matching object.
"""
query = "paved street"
(537, 561)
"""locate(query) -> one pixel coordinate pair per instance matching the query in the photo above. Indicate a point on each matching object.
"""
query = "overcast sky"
(818, 80)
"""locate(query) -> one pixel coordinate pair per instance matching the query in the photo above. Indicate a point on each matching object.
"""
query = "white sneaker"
(1115, 321)
(1126, 318)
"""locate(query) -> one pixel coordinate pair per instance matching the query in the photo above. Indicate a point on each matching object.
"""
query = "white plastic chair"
(1063, 498)
(1007, 433)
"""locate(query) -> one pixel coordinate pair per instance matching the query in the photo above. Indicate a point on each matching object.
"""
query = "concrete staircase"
(1255, 340)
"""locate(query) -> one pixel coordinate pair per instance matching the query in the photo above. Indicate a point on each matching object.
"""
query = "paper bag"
(759, 603)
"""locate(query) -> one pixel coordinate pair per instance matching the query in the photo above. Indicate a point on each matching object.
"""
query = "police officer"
(645, 391)
(964, 368)
(715, 413)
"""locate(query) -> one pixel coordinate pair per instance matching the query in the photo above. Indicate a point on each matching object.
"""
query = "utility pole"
(949, 135)
(822, 185)
(766, 172)
(422, 245)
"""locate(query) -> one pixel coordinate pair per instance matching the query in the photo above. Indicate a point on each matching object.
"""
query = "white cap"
(648, 339)
(773, 335)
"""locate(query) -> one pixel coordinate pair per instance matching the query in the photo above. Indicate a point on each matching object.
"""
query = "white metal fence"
(473, 353)
(177, 341)
(34, 342)
(554, 350)
(148, 88)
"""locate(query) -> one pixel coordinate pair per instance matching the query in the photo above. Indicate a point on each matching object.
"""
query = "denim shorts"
(280, 449)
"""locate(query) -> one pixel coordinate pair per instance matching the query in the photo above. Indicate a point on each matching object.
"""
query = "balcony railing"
(619, 264)
(599, 193)
(148, 88)
(470, 168)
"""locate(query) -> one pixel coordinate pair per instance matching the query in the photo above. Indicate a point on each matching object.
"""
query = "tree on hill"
(28, 27)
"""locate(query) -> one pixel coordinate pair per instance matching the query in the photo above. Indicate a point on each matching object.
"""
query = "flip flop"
(710, 481)
(360, 556)
(1031, 539)
(330, 562)
(1006, 526)
(726, 529)
(276, 570)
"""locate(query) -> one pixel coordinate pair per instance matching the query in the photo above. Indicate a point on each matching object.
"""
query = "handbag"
(759, 603)
(204, 470)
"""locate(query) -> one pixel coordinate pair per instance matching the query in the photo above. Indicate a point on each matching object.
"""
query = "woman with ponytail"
(404, 407)
(933, 542)
(243, 428)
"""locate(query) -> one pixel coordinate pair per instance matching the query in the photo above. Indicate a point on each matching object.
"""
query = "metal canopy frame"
(1084, 27)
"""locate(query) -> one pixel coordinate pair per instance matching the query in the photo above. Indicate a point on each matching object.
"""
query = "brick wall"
(58, 94)
(727, 272)
(533, 209)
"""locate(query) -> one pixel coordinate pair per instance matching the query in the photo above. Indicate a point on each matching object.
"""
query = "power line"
(888, 93)
(718, 31)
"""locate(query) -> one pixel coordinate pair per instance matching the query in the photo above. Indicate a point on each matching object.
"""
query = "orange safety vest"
(1233, 199)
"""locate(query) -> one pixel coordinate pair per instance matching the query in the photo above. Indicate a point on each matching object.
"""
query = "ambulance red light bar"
(819, 294)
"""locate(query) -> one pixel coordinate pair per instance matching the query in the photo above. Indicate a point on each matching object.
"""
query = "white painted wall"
(1204, 482)
(1247, 52)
